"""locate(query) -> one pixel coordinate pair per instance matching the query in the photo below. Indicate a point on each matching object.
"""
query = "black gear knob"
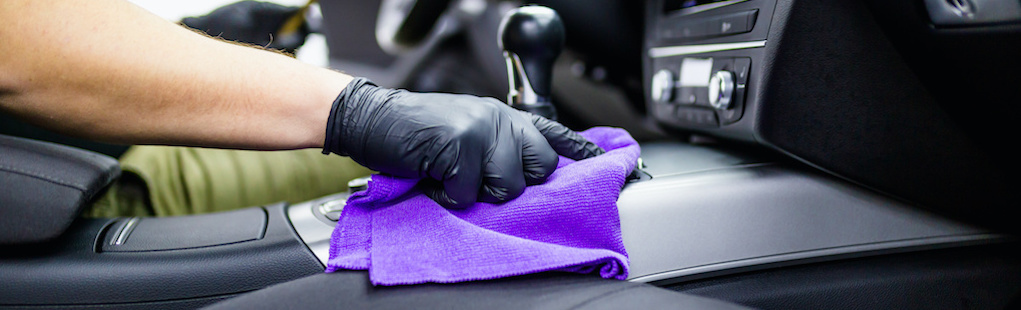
(531, 38)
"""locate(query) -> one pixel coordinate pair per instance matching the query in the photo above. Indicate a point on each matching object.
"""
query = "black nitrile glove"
(252, 22)
(476, 148)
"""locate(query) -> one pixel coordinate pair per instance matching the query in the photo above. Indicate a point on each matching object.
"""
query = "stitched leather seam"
(44, 177)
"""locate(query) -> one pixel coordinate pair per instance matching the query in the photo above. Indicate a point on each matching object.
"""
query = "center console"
(717, 212)
(724, 211)
(704, 63)
(820, 82)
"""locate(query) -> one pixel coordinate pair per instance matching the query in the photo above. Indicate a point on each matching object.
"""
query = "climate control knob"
(662, 86)
(721, 90)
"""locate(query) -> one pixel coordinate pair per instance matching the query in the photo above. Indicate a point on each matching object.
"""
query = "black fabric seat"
(352, 290)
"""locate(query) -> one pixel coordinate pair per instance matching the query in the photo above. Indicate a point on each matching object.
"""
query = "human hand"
(477, 148)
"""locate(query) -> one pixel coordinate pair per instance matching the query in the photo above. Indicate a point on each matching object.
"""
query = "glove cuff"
(352, 95)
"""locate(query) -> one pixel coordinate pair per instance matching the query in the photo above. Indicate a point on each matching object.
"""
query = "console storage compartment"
(151, 234)
(165, 263)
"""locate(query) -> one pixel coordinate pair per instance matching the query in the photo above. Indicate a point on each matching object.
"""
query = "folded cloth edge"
(610, 264)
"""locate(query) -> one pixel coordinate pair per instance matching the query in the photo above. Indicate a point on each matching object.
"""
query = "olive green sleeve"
(183, 180)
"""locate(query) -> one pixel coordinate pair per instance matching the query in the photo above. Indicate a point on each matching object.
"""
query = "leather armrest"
(44, 186)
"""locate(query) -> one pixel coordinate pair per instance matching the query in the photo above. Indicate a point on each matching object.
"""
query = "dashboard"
(902, 97)
(703, 56)
(840, 86)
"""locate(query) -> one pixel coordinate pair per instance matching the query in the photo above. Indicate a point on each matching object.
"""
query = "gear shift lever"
(531, 38)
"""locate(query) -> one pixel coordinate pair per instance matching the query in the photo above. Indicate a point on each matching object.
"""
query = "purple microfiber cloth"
(569, 223)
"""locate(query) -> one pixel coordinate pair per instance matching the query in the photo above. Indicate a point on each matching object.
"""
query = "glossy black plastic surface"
(150, 234)
(352, 290)
(72, 271)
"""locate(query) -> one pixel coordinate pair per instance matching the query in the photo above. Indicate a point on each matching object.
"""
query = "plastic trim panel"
(70, 271)
(687, 223)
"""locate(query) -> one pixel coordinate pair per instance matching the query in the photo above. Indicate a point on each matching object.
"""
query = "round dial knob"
(662, 86)
(721, 90)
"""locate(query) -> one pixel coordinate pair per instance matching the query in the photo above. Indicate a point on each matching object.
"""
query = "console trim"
(315, 232)
(720, 212)
(680, 50)
(799, 258)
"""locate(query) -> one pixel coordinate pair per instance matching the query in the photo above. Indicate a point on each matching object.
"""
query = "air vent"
(687, 7)
(962, 8)
(973, 12)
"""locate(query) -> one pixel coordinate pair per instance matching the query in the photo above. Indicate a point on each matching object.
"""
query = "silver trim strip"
(520, 91)
(666, 51)
(312, 230)
(122, 234)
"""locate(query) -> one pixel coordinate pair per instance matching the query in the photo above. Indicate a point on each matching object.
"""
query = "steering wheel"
(403, 24)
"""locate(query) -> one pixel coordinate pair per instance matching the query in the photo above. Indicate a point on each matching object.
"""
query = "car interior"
(828, 154)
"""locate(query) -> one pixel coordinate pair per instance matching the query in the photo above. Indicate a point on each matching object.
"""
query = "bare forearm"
(108, 70)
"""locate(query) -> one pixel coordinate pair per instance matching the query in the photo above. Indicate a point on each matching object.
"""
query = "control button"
(685, 29)
(742, 67)
(332, 209)
(358, 184)
(721, 90)
(669, 32)
(720, 63)
(688, 116)
(731, 24)
(662, 86)
(663, 111)
(752, 15)
(732, 115)
(706, 118)
(692, 29)
(686, 95)
(696, 117)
